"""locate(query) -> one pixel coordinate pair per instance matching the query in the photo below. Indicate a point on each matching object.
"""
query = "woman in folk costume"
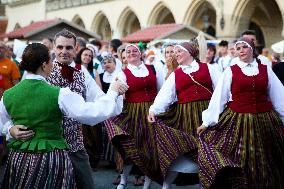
(148, 146)
(43, 161)
(242, 134)
(191, 87)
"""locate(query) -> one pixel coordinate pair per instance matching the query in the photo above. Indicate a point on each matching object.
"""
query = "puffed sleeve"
(276, 92)
(74, 106)
(165, 97)
(219, 99)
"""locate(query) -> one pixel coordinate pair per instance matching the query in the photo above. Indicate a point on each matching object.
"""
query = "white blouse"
(74, 106)
(93, 91)
(142, 71)
(109, 77)
(222, 93)
(167, 94)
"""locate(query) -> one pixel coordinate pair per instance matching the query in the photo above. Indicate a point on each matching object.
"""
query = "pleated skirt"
(244, 150)
(51, 170)
(185, 117)
(151, 147)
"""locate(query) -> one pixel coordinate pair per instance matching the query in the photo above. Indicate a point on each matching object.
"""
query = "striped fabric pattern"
(151, 147)
(244, 149)
(185, 117)
(39, 170)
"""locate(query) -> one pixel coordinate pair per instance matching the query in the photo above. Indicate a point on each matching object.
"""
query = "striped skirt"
(185, 117)
(151, 147)
(243, 151)
(51, 170)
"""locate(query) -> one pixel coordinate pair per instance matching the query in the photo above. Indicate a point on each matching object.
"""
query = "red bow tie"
(67, 72)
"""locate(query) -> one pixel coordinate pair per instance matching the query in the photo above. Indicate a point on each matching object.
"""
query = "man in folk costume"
(66, 73)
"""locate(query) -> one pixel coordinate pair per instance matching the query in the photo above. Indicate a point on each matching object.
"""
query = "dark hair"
(223, 43)
(96, 43)
(115, 43)
(65, 33)
(78, 59)
(81, 41)
(249, 32)
(211, 47)
(34, 56)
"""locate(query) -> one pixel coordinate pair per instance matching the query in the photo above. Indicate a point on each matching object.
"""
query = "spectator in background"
(265, 52)
(278, 67)
(48, 42)
(275, 58)
(171, 62)
(9, 70)
(16, 53)
(85, 57)
(211, 53)
(114, 44)
(150, 57)
(122, 55)
(97, 44)
(80, 43)
(97, 63)
(223, 53)
(230, 56)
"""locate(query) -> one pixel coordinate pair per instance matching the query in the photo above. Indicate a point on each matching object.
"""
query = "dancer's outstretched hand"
(151, 117)
(20, 132)
(201, 129)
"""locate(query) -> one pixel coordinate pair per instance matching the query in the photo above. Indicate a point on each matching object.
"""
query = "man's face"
(223, 50)
(64, 49)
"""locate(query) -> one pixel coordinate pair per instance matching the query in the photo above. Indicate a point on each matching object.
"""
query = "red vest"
(249, 93)
(141, 89)
(187, 90)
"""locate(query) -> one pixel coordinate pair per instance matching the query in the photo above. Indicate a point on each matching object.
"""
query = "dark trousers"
(82, 169)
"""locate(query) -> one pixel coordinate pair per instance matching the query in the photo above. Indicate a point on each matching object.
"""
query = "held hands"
(119, 86)
(151, 117)
(201, 129)
(20, 132)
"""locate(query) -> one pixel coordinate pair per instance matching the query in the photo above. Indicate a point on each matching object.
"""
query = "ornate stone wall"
(13, 3)
(61, 4)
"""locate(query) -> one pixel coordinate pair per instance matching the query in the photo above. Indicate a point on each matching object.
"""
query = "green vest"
(34, 103)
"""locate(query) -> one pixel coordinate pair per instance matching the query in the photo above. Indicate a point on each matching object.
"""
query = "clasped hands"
(119, 86)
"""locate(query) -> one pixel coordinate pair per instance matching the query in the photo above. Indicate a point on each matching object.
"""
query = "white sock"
(171, 176)
(147, 183)
(124, 174)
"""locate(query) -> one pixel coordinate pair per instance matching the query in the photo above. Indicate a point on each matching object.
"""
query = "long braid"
(258, 60)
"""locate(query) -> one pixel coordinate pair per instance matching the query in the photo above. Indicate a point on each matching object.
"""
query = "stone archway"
(128, 22)
(202, 15)
(101, 26)
(161, 14)
(78, 20)
(263, 16)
